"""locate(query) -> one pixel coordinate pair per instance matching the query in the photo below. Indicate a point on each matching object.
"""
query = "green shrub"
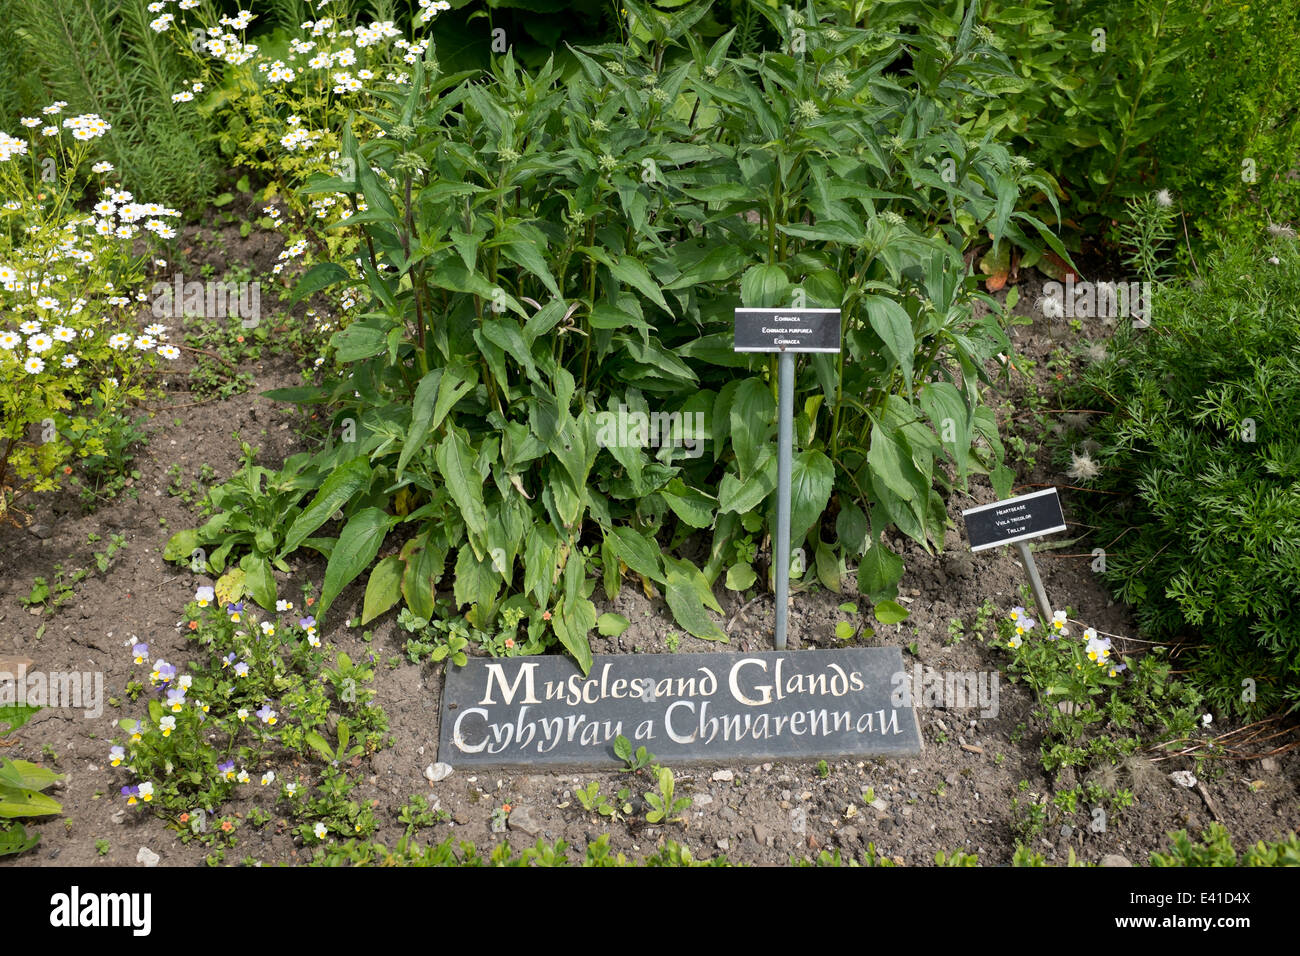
(1115, 98)
(1201, 458)
(542, 249)
(102, 56)
(1215, 849)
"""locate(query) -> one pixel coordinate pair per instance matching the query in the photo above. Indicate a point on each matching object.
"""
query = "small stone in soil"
(723, 776)
(723, 844)
(521, 818)
(437, 771)
(147, 856)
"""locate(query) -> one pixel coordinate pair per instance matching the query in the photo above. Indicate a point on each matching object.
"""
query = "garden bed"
(957, 795)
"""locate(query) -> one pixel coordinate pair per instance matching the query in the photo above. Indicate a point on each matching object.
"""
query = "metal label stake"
(784, 457)
(1035, 582)
(785, 331)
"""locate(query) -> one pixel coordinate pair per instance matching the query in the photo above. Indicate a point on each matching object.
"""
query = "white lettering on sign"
(693, 710)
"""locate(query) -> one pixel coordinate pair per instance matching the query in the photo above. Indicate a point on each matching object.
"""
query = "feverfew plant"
(67, 281)
(283, 107)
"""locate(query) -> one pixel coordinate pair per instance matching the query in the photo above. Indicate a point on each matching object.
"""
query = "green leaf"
(843, 630)
(689, 611)
(630, 271)
(744, 496)
(384, 589)
(457, 381)
(752, 415)
(318, 277)
(886, 458)
(525, 253)
(894, 326)
(477, 583)
(694, 507)
(360, 340)
(890, 612)
(318, 744)
(424, 559)
(612, 625)
(948, 413)
(181, 545)
(18, 802)
(636, 551)
(879, 573)
(258, 579)
(422, 406)
(14, 840)
(764, 287)
(851, 528)
(740, 577)
(343, 484)
(574, 617)
(26, 776)
(623, 747)
(505, 334)
(828, 567)
(811, 478)
(358, 544)
(13, 716)
(455, 461)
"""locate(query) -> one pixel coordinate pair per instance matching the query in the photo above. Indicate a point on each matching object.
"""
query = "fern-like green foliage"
(1201, 456)
(101, 57)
